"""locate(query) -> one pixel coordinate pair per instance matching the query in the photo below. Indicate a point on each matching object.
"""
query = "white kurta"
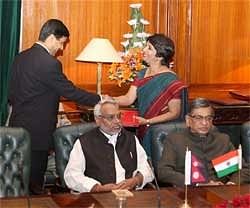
(74, 172)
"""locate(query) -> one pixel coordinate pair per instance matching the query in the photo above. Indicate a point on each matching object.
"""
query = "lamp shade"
(99, 50)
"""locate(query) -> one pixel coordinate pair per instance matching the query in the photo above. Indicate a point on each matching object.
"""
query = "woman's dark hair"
(55, 27)
(164, 47)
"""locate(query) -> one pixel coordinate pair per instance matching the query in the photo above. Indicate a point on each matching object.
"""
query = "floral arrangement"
(237, 202)
(132, 55)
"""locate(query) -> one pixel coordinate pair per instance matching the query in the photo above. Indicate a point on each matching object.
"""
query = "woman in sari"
(156, 88)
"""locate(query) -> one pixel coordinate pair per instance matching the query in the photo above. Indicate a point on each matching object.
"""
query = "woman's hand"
(142, 121)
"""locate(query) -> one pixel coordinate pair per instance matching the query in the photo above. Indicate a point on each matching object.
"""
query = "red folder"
(128, 118)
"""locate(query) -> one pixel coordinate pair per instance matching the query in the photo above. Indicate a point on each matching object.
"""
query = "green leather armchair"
(159, 134)
(245, 140)
(14, 161)
(64, 139)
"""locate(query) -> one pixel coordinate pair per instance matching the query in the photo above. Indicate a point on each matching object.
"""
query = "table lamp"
(99, 50)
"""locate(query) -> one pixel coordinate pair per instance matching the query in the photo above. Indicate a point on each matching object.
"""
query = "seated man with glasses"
(205, 144)
(107, 157)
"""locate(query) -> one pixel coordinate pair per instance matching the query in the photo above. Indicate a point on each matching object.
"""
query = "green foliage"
(137, 37)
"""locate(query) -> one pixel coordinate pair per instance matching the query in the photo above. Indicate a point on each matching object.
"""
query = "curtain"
(10, 14)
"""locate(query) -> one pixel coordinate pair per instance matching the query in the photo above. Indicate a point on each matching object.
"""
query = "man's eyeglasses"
(111, 117)
(200, 118)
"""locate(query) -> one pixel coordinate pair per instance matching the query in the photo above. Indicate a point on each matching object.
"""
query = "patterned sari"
(153, 94)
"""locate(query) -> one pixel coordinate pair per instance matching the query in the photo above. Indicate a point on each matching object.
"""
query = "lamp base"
(99, 79)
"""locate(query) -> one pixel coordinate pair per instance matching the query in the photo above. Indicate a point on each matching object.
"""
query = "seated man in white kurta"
(107, 157)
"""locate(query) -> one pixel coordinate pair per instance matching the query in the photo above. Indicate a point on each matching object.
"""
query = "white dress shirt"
(74, 172)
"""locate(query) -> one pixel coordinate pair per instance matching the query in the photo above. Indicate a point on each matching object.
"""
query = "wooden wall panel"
(163, 16)
(85, 19)
(175, 22)
(212, 40)
(220, 42)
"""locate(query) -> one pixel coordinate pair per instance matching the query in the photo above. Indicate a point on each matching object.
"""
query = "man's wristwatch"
(148, 122)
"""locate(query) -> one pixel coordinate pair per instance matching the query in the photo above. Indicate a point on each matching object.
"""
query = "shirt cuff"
(143, 180)
(89, 184)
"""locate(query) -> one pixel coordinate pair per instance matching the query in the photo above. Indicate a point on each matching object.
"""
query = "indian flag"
(227, 163)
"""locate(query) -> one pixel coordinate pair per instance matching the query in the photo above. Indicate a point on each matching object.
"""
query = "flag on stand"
(195, 171)
(199, 172)
(228, 163)
(188, 167)
(240, 157)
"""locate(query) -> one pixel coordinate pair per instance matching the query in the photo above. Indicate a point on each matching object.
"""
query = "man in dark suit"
(36, 84)
(205, 143)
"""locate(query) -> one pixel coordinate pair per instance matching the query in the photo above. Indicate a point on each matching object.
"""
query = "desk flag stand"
(188, 170)
(187, 176)
(239, 166)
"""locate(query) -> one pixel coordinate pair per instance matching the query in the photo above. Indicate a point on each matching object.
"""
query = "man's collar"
(109, 135)
(43, 45)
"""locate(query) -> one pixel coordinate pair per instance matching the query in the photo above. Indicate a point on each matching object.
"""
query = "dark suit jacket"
(36, 83)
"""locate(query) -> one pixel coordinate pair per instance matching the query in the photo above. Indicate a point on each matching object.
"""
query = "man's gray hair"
(98, 106)
(199, 103)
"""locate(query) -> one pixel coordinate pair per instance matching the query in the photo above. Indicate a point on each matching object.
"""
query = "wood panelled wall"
(220, 44)
(212, 36)
(212, 40)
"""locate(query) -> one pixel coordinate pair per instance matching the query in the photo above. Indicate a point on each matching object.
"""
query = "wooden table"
(170, 197)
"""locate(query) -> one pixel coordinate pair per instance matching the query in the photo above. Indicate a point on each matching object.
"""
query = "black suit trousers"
(39, 160)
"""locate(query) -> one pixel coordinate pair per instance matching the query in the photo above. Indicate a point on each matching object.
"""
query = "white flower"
(142, 35)
(145, 22)
(135, 6)
(132, 22)
(125, 43)
(145, 35)
(138, 44)
(128, 35)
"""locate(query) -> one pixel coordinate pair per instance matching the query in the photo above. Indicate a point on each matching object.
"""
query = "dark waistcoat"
(99, 155)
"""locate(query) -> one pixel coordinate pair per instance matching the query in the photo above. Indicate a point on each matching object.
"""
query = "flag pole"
(185, 202)
(239, 182)
(239, 166)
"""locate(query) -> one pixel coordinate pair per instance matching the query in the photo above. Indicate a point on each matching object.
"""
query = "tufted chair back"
(245, 140)
(159, 134)
(14, 161)
(64, 139)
